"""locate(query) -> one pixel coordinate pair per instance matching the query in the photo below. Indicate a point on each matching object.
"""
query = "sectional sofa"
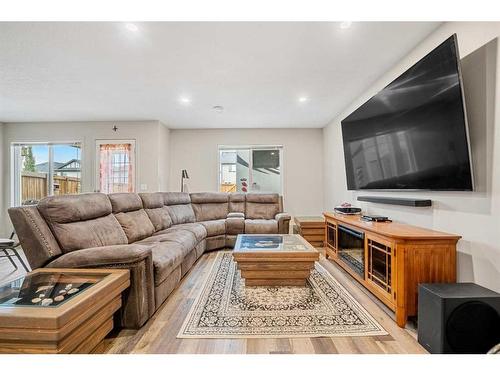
(157, 236)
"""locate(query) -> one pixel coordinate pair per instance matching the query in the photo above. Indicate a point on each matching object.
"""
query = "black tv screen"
(413, 133)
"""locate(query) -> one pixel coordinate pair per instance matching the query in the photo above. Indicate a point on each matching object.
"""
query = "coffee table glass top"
(271, 242)
(46, 289)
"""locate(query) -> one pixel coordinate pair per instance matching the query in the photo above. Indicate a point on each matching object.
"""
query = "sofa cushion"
(71, 208)
(152, 200)
(135, 224)
(258, 226)
(179, 207)
(125, 202)
(214, 227)
(209, 197)
(103, 231)
(197, 229)
(127, 208)
(181, 214)
(210, 206)
(160, 218)
(157, 212)
(174, 198)
(263, 198)
(237, 202)
(82, 221)
(262, 206)
(167, 256)
(210, 211)
(185, 238)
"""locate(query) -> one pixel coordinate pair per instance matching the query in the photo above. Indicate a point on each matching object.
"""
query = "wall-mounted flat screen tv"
(413, 134)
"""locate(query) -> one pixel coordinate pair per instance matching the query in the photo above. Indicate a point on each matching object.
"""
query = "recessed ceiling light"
(345, 24)
(131, 27)
(184, 100)
(303, 99)
(218, 108)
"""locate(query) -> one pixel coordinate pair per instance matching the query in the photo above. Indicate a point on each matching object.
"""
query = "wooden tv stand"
(392, 258)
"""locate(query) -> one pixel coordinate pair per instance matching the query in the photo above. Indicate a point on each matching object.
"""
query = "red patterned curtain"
(116, 168)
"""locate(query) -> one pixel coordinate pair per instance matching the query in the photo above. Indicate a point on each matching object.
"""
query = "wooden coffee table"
(274, 259)
(59, 310)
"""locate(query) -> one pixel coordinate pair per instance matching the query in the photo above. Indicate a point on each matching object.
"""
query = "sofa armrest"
(283, 220)
(102, 256)
(236, 215)
(38, 242)
(235, 225)
(138, 300)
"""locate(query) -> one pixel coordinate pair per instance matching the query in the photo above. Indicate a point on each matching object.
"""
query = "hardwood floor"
(159, 334)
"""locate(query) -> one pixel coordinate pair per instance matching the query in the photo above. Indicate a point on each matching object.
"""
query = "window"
(250, 169)
(115, 166)
(42, 169)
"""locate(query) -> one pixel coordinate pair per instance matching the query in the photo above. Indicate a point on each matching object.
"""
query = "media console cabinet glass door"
(59, 310)
(391, 259)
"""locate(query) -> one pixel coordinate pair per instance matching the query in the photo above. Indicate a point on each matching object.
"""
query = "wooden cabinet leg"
(401, 317)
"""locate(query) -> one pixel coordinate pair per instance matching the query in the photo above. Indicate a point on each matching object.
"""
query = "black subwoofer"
(459, 318)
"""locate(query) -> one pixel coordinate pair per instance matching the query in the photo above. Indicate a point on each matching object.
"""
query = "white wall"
(152, 141)
(197, 151)
(163, 157)
(473, 215)
(3, 182)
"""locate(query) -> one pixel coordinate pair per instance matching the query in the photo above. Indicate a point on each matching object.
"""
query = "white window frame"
(98, 143)
(15, 196)
(278, 148)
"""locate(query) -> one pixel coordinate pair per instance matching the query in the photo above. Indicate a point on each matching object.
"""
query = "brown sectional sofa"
(157, 236)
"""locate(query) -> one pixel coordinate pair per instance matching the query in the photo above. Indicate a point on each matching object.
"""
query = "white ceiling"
(256, 71)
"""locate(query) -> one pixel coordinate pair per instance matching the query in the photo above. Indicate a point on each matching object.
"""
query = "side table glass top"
(46, 289)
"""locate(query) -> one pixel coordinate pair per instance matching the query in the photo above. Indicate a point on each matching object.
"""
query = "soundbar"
(397, 201)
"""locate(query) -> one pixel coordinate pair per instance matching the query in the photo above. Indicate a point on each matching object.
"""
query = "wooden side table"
(312, 228)
(59, 310)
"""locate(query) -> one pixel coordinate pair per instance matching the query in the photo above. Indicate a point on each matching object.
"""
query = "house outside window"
(250, 169)
(43, 169)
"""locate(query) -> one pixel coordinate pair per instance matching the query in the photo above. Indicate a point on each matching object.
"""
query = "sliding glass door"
(42, 169)
(250, 169)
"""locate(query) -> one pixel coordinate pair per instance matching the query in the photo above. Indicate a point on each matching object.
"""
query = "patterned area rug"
(226, 308)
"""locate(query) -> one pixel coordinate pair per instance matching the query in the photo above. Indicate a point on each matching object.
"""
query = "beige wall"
(473, 215)
(197, 151)
(152, 141)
